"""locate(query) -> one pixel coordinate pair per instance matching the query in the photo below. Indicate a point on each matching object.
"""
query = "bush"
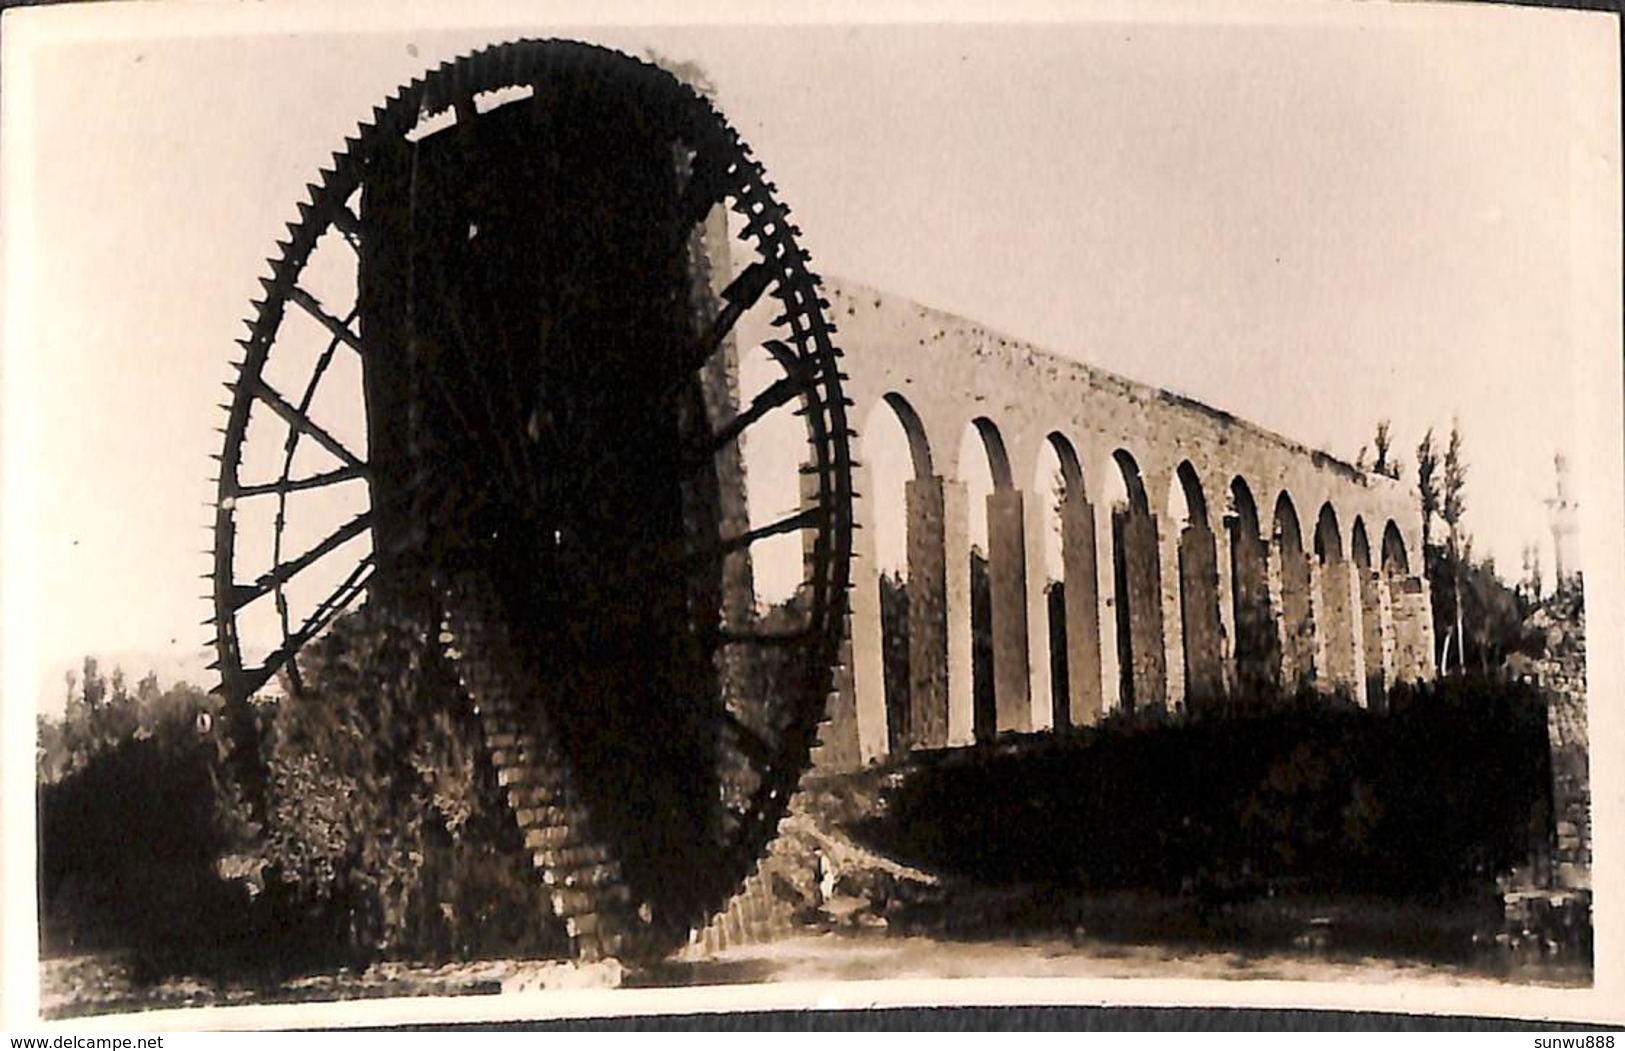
(1435, 797)
(381, 811)
(129, 834)
(356, 818)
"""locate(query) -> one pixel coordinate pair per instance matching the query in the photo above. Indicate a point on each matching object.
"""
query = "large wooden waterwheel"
(512, 421)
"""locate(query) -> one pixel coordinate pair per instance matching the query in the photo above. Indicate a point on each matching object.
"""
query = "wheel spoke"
(291, 485)
(339, 330)
(329, 608)
(243, 594)
(299, 421)
(342, 596)
(781, 393)
(803, 519)
(807, 518)
(738, 297)
(289, 450)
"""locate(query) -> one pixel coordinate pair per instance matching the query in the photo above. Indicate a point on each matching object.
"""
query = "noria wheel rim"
(265, 560)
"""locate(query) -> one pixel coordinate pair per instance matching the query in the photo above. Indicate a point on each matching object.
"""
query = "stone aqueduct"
(1284, 566)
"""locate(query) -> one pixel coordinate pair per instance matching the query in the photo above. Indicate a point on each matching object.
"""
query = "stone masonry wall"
(948, 375)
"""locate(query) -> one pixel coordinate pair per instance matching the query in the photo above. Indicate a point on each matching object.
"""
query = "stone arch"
(1064, 615)
(1290, 577)
(1328, 536)
(896, 456)
(998, 590)
(1071, 466)
(998, 459)
(1409, 610)
(1374, 659)
(1359, 543)
(1197, 590)
(1395, 561)
(899, 630)
(919, 446)
(1257, 649)
(1331, 588)
(1137, 591)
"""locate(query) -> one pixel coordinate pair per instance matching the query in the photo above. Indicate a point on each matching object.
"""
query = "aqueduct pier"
(1204, 557)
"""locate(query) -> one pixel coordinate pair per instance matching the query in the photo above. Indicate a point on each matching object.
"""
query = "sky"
(1313, 216)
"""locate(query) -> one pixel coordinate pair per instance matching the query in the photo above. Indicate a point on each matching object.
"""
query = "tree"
(894, 658)
(985, 712)
(98, 714)
(690, 73)
(49, 755)
(1428, 497)
(1427, 485)
(1386, 465)
(1452, 505)
(1494, 623)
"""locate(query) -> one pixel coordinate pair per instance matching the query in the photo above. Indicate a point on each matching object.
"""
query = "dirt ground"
(106, 983)
(867, 955)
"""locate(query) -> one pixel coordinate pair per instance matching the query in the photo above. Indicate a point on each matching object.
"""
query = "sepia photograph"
(518, 515)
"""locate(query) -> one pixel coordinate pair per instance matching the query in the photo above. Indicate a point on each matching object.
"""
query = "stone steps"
(755, 914)
(583, 877)
(581, 873)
